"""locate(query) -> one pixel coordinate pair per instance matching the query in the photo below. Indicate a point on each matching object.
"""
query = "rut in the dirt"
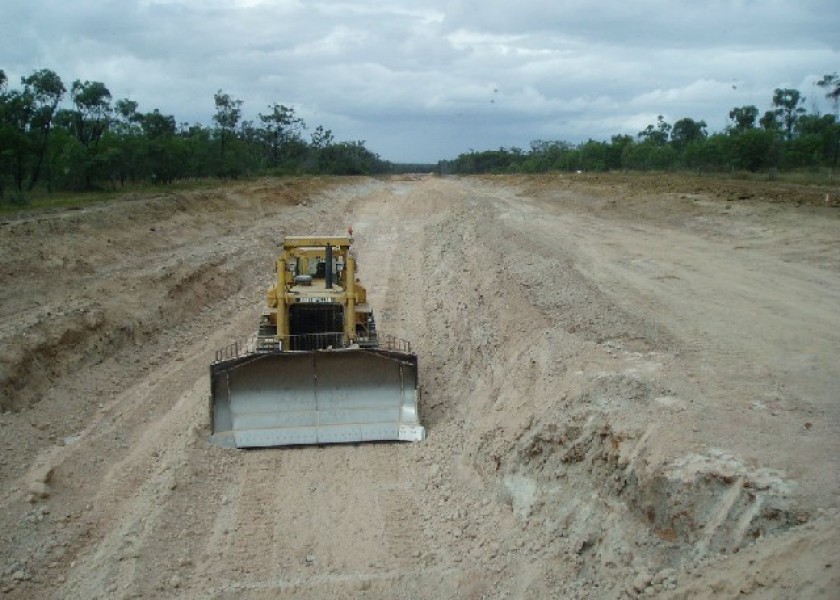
(580, 424)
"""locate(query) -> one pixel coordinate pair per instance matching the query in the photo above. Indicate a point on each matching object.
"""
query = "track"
(612, 393)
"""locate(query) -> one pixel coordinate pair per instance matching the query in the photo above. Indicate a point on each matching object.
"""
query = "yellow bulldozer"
(317, 371)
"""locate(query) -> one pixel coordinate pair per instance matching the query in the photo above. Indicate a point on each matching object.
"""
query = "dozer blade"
(319, 397)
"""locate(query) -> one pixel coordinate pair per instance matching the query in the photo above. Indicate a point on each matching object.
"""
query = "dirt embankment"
(101, 285)
(629, 386)
(78, 285)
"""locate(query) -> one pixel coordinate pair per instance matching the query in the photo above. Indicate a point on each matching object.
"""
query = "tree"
(813, 142)
(280, 127)
(127, 116)
(831, 85)
(656, 134)
(686, 131)
(128, 145)
(594, 156)
(160, 148)
(90, 141)
(92, 114)
(87, 121)
(321, 138)
(228, 113)
(744, 118)
(770, 121)
(713, 152)
(350, 158)
(755, 149)
(201, 158)
(649, 154)
(787, 101)
(15, 115)
(156, 125)
(618, 143)
(4, 152)
(45, 90)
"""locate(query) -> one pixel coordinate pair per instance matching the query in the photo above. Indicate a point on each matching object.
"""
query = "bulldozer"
(316, 371)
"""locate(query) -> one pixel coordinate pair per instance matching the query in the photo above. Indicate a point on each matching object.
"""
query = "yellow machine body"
(316, 270)
(317, 372)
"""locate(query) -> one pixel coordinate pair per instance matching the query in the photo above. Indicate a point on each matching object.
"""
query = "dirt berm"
(631, 387)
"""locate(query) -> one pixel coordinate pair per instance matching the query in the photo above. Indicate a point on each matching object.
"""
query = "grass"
(42, 200)
(820, 176)
(38, 200)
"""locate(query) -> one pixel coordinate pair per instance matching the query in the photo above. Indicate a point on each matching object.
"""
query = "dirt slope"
(630, 388)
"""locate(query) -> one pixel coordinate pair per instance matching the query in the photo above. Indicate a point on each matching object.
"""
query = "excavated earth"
(631, 387)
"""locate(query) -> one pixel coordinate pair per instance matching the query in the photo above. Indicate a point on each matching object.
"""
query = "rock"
(40, 490)
(641, 581)
(18, 575)
(175, 581)
(664, 576)
(310, 560)
(43, 474)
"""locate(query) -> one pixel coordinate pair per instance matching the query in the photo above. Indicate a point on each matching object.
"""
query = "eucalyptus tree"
(743, 117)
(787, 102)
(228, 113)
(43, 91)
(686, 131)
(831, 85)
(15, 116)
(92, 114)
(280, 127)
(656, 134)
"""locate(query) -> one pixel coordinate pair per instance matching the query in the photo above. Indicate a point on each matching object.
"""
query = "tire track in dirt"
(402, 534)
(311, 518)
(322, 516)
(252, 549)
(550, 401)
(399, 295)
(134, 512)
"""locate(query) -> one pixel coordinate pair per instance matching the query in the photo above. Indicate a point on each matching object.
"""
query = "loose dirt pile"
(630, 388)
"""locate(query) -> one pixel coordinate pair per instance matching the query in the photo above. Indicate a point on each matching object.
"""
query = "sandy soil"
(631, 387)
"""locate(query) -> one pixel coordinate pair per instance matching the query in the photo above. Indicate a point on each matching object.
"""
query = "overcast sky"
(423, 80)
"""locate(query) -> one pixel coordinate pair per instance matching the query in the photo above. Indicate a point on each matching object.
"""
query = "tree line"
(785, 137)
(79, 138)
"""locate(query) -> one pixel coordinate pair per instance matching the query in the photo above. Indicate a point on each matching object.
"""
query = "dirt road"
(628, 390)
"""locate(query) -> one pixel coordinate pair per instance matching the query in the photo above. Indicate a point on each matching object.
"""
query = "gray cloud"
(426, 80)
